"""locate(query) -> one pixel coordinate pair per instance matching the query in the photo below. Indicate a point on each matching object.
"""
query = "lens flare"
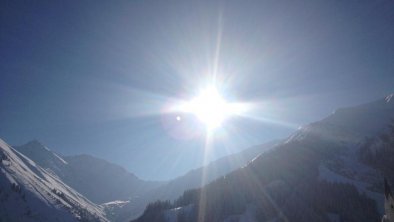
(211, 108)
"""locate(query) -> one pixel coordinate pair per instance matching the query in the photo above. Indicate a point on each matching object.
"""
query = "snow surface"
(82, 172)
(30, 193)
(171, 215)
(352, 124)
(348, 169)
(362, 186)
(389, 97)
(349, 128)
(116, 203)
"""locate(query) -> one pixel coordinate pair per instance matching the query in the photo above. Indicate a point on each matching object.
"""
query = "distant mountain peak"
(40, 154)
(35, 144)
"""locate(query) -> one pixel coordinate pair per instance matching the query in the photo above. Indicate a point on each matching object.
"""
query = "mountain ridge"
(314, 175)
(117, 207)
(83, 171)
(30, 193)
(192, 179)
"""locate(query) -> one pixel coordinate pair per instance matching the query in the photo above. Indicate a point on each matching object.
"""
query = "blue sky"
(94, 76)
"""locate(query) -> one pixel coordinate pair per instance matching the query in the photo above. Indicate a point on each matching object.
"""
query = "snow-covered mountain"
(82, 172)
(30, 193)
(193, 179)
(314, 175)
(365, 134)
(122, 195)
(330, 170)
(353, 124)
(42, 155)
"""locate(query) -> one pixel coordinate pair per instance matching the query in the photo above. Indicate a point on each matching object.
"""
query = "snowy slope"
(352, 124)
(356, 129)
(330, 170)
(82, 172)
(43, 156)
(30, 193)
(361, 132)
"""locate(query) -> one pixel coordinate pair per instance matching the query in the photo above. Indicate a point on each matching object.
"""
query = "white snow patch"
(389, 97)
(362, 187)
(172, 214)
(59, 158)
(116, 203)
(330, 176)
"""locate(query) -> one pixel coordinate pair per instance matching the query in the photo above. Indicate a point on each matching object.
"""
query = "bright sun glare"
(211, 108)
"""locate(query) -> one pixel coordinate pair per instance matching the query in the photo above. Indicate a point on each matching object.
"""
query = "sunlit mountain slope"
(30, 193)
(82, 172)
(331, 170)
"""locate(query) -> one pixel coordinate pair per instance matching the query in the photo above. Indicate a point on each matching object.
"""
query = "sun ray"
(211, 108)
(218, 47)
(271, 121)
(202, 201)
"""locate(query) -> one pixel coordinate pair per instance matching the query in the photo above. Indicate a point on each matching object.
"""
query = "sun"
(210, 107)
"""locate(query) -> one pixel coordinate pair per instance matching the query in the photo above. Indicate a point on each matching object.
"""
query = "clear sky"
(96, 76)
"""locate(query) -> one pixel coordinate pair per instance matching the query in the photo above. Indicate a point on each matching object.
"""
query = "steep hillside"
(123, 195)
(111, 181)
(30, 193)
(82, 172)
(204, 175)
(331, 170)
(193, 179)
